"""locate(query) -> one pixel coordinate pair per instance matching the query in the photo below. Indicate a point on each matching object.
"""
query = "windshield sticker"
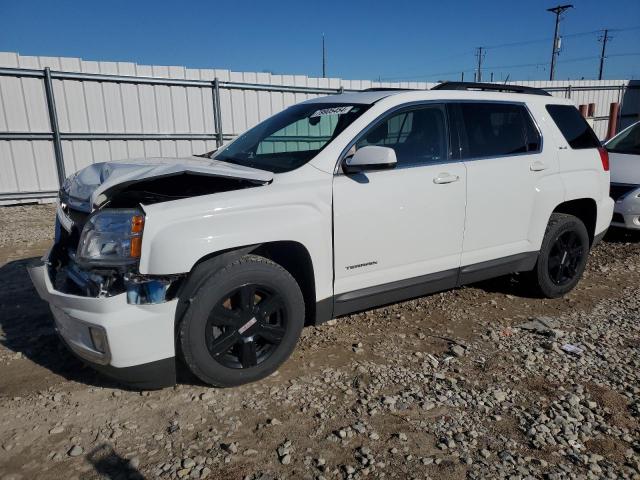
(332, 111)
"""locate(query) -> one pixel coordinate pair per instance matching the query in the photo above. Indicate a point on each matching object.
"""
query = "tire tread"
(221, 272)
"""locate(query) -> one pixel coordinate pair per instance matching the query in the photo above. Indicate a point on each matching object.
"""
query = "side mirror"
(370, 158)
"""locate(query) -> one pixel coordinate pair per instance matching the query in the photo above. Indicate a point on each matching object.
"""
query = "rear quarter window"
(573, 127)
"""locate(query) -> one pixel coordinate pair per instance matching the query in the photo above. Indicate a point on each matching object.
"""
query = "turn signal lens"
(604, 157)
(136, 247)
(137, 224)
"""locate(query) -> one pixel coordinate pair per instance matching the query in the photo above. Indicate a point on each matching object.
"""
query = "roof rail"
(491, 87)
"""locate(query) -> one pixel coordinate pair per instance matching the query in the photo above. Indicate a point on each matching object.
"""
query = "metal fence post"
(217, 116)
(55, 129)
(621, 102)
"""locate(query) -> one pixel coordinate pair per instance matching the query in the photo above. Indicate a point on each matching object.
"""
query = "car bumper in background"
(627, 211)
(131, 343)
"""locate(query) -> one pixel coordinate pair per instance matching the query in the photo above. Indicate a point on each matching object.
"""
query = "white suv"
(332, 206)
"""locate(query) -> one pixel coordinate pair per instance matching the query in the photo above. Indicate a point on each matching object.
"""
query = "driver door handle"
(443, 178)
(538, 166)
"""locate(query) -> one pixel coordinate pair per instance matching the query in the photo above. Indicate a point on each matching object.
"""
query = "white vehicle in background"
(624, 158)
(332, 206)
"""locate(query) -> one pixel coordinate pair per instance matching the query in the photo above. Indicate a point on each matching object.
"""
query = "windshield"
(290, 138)
(626, 142)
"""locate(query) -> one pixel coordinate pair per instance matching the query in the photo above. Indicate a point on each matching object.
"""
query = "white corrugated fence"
(124, 110)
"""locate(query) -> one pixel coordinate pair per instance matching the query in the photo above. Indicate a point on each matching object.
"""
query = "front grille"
(618, 190)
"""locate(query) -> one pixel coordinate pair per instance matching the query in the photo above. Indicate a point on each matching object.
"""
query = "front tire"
(563, 256)
(243, 322)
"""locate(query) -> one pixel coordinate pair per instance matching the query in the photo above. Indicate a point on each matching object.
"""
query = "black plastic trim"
(598, 238)
(148, 376)
(491, 87)
(366, 298)
(520, 262)
(394, 292)
(324, 310)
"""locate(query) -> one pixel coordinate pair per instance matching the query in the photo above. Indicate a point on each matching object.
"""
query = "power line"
(504, 67)
(514, 44)
(624, 55)
(566, 35)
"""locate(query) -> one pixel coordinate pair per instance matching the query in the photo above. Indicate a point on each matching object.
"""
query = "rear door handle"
(538, 166)
(445, 178)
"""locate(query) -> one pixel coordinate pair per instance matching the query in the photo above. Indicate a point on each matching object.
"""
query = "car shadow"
(622, 235)
(110, 465)
(512, 284)
(28, 328)
(515, 285)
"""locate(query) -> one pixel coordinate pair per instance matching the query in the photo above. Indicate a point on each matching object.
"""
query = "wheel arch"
(586, 209)
(291, 255)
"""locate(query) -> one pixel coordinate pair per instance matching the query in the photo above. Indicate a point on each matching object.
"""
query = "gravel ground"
(472, 383)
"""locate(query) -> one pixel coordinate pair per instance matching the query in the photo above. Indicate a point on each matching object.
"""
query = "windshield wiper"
(206, 155)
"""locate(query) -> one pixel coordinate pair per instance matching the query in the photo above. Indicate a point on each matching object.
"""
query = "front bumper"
(627, 211)
(139, 348)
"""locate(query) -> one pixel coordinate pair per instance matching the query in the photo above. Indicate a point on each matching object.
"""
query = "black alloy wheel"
(243, 319)
(246, 326)
(562, 257)
(565, 257)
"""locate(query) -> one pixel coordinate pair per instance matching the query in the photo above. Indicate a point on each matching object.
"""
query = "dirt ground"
(446, 386)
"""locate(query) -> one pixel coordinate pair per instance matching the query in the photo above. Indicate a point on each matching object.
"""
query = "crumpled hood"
(85, 189)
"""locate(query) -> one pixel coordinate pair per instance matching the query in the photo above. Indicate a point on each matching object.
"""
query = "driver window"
(418, 136)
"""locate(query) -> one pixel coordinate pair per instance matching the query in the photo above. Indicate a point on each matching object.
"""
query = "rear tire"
(562, 257)
(243, 322)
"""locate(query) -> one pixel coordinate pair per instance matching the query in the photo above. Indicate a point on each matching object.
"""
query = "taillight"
(604, 157)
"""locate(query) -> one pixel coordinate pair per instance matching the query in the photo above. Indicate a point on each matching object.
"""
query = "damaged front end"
(100, 222)
(114, 318)
(97, 256)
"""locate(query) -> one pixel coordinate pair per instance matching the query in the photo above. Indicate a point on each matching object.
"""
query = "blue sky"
(421, 40)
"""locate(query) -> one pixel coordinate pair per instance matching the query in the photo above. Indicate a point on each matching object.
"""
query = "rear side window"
(497, 129)
(574, 128)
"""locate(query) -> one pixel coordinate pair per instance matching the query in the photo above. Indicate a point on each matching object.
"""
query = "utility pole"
(604, 38)
(556, 47)
(480, 55)
(324, 59)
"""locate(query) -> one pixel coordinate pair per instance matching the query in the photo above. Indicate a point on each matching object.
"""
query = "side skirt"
(366, 298)
(394, 292)
(521, 262)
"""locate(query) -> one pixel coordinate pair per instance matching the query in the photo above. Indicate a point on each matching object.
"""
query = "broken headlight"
(112, 238)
